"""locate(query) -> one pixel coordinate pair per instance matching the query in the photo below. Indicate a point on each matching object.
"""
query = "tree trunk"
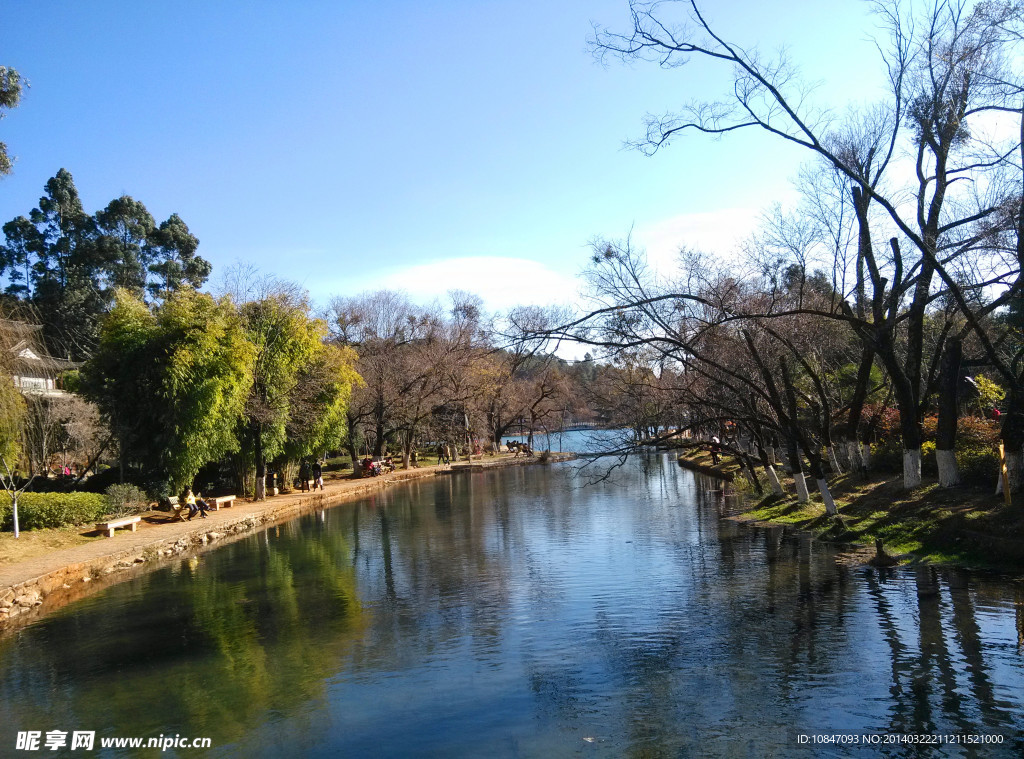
(260, 489)
(1014, 473)
(867, 359)
(801, 487)
(754, 480)
(769, 468)
(949, 472)
(826, 496)
(818, 473)
(833, 461)
(350, 446)
(1012, 433)
(865, 455)
(911, 468)
(853, 453)
(945, 435)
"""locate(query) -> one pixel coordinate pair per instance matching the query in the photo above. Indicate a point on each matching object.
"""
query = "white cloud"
(502, 282)
(716, 233)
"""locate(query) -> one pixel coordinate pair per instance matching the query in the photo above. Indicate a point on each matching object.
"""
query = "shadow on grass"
(961, 525)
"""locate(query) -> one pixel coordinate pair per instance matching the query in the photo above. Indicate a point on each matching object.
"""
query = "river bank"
(62, 566)
(962, 526)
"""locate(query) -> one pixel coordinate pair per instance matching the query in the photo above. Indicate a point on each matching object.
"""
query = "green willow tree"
(319, 401)
(300, 386)
(172, 383)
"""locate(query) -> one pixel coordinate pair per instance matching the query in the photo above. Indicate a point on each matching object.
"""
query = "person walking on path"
(318, 476)
(716, 449)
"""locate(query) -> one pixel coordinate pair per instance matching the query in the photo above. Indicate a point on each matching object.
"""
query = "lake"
(534, 611)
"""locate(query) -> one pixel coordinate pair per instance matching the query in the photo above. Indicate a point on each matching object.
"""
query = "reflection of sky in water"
(516, 613)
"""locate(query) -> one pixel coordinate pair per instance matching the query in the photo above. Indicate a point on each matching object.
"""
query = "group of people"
(194, 504)
(444, 454)
(374, 468)
(514, 446)
(519, 448)
(314, 472)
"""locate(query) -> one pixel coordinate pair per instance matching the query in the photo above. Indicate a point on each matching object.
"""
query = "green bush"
(979, 465)
(38, 510)
(126, 500)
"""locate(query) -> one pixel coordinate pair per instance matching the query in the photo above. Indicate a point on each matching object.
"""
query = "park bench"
(221, 501)
(177, 512)
(109, 527)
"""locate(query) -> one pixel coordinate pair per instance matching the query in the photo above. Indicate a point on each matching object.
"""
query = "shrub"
(38, 510)
(126, 500)
(979, 465)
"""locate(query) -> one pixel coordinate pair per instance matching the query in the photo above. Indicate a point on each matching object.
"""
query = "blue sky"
(351, 146)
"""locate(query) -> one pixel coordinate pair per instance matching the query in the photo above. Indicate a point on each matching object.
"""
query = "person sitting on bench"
(194, 504)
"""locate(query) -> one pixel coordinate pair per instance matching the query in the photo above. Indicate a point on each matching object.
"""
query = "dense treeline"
(175, 383)
(445, 374)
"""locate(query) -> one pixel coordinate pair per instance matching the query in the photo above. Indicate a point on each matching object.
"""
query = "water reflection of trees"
(208, 649)
(773, 641)
(629, 611)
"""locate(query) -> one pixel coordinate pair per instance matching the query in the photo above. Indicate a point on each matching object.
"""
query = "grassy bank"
(964, 526)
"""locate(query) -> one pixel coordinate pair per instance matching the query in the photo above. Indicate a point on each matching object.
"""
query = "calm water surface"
(518, 613)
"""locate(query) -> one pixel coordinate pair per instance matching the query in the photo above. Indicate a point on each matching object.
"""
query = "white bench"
(109, 527)
(221, 501)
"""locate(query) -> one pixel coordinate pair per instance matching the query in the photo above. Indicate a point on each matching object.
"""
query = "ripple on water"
(517, 614)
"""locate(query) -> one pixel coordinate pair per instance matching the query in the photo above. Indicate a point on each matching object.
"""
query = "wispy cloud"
(502, 282)
(716, 233)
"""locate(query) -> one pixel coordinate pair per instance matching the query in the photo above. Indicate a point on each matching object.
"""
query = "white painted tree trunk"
(833, 461)
(1014, 474)
(1014, 470)
(843, 456)
(912, 468)
(773, 478)
(853, 453)
(949, 472)
(826, 496)
(801, 487)
(865, 454)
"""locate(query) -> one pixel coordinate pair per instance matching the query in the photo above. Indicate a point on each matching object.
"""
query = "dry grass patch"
(35, 543)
